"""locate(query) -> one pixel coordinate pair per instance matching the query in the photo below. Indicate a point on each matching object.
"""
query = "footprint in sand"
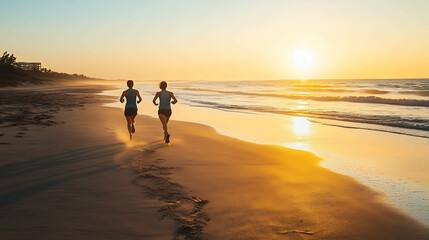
(180, 205)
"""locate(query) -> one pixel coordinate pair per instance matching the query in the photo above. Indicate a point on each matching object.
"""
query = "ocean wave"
(355, 99)
(375, 91)
(339, 90)
(384, 120)
(373, 99)
(312, 86)
(424, 93)
(416, 84)
(368, 128)
(302, 89)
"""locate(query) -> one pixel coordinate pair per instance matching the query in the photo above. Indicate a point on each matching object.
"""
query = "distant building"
(29, 65)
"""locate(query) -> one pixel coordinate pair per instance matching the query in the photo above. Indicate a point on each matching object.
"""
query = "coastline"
(393, 164)
(83, 175)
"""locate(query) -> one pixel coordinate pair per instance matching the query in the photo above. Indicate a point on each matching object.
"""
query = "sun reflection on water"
(301, 125)
(302, 105)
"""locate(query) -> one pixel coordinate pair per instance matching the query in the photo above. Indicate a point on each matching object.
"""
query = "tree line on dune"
(11, 75)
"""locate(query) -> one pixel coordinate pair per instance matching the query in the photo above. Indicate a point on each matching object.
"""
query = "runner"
(131, 106)
(164, 111)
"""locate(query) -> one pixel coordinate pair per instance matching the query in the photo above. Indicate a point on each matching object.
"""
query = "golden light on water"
(301, 125)
(302, 105)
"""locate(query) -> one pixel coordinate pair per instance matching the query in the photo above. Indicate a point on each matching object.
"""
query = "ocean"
(373, 130)
(399, 106)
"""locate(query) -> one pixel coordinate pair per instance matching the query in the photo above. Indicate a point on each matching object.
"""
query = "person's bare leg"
(166, 136)
(132, 119)
(129, 126)
(163, 120)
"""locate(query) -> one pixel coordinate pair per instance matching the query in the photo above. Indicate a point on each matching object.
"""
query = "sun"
(303, 59)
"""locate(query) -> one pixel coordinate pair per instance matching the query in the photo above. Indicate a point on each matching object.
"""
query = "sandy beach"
(69, 171)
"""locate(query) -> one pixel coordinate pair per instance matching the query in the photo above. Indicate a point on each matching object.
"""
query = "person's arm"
(138, 95)
(154, 99)
(174, 98)
(121, 99)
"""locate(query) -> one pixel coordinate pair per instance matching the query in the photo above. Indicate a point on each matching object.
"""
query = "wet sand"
(81, 177)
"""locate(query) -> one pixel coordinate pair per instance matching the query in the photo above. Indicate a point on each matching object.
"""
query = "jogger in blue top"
(131, 106)
(164, 111)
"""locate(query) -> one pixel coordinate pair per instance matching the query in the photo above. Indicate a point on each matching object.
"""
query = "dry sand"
(81, 178)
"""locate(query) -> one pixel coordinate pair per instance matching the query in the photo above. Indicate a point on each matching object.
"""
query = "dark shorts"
(130, 112)
(165, 112)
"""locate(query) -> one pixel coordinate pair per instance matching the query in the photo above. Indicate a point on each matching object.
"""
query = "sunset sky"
(221, 40)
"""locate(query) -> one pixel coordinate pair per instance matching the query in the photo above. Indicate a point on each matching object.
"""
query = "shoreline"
(220, 186)
(384, 193)
(255, 195)
(372, 163)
